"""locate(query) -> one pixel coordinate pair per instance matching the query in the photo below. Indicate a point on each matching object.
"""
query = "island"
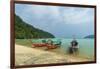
(24, 30)
(89, 36)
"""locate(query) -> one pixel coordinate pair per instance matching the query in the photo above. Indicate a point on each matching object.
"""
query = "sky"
(62, 22)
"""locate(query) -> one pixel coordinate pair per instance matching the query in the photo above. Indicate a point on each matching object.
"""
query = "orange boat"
(52, 47)
(49, 46)
(39, 45)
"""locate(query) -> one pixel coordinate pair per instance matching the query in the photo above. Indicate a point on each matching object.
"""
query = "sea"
(86, 46)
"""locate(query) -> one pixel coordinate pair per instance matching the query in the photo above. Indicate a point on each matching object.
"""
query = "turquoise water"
(86, 46)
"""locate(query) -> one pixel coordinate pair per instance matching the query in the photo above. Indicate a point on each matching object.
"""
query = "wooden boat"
(39, 45)
(52, 47)
(49, 46)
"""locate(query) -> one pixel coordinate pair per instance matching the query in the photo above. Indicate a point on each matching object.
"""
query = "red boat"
(52, 47)
(49, 46)
(39, 45)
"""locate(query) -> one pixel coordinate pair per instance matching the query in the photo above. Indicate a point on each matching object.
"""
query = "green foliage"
(89, 36)
(27, 31)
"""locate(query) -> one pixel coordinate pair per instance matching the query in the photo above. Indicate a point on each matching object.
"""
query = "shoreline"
(29, 56)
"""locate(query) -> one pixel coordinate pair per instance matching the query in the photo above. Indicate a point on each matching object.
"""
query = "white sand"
(28, 56)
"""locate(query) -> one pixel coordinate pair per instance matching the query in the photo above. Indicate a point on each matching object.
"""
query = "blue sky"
(63, 22)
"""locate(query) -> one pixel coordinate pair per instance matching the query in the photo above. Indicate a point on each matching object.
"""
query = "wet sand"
(29, 56)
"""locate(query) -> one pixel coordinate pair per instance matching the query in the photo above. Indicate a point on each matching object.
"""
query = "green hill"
(89, 36)
(26, 31)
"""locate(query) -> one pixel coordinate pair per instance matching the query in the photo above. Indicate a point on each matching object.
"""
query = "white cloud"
(67, 15)
(78, 15)
(56, 19)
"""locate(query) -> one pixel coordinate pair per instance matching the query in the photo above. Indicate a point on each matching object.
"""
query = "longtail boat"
(39, 44)
(54, 45)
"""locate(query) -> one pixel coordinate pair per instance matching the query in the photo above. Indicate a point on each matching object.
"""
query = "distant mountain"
(25, 31)
(89, 36)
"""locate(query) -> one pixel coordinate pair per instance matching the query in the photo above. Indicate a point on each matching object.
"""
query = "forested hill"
(26, 31)
(89, 36)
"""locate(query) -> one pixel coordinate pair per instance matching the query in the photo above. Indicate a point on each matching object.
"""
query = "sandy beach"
(28, 56)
